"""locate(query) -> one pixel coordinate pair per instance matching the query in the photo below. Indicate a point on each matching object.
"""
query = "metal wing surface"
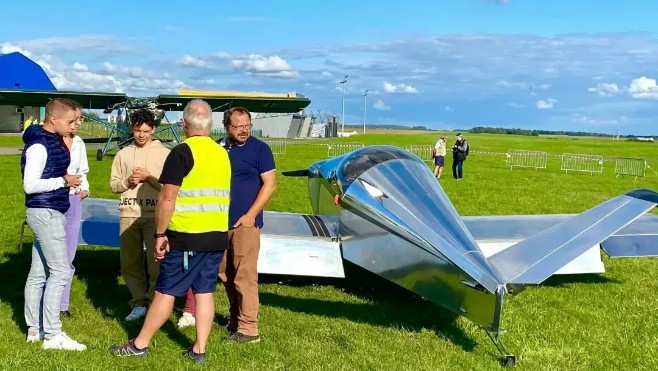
(534, 259)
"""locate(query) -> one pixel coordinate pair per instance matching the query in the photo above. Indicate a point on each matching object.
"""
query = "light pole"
(342, 128)
(365, 109)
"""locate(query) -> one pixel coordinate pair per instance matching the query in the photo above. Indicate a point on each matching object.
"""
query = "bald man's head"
(198, 115)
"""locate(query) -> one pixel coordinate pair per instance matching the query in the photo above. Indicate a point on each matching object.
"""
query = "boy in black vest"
(46, 184)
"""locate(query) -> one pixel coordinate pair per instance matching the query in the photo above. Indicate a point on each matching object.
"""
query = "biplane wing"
(38, 98)
(254, 102)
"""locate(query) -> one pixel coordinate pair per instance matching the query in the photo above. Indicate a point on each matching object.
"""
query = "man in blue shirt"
(253, 181)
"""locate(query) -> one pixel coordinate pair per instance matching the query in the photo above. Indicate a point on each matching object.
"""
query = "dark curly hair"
(142, 116)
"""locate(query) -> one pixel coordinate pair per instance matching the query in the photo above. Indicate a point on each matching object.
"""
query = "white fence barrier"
(523, 158)
(337, 149)
(584, 163)
(422, 151)
(630, 166)
(278, 147)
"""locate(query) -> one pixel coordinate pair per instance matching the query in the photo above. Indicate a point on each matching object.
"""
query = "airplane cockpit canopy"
(357, 162)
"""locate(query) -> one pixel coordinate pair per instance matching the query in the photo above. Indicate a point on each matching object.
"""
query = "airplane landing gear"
(99, 155)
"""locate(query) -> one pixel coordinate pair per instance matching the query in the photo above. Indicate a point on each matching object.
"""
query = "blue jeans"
(457, 169)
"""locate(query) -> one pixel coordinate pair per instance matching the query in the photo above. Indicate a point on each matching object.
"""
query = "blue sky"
(576, 65)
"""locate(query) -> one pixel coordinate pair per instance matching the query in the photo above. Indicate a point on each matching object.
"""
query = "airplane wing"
(37, 98)
(254, 102)
(534, 259)
(291, 244)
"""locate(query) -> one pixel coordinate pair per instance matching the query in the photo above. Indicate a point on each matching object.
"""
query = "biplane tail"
(534, 259)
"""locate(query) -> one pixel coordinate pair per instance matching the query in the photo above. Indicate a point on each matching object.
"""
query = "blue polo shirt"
(248, 162)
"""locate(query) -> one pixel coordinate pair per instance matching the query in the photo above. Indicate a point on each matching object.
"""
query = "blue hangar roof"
(20, 72)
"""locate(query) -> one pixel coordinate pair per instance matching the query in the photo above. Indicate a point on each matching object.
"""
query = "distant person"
(252, 184)
(28, 122)
(78, 166)
(135, 172)
(439, 154)
(44, 163)
(192, 231)
(459, 153)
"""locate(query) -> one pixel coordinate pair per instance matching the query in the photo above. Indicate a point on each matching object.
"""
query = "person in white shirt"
(439, 154)
(46, 184)
(79, 166)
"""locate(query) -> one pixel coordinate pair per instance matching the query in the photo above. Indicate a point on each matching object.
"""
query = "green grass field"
(601, 322)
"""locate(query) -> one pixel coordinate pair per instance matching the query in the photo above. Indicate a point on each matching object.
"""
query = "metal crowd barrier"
(422, 151)
(635, 167)
(278, 147)
(337, 149)
(584, 163)
(523, 158)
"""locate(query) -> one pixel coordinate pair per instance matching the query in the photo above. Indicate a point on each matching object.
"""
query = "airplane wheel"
(509, 361)
(99, 155)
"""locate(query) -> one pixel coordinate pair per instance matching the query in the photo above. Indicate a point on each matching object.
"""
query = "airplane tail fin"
(534, 259)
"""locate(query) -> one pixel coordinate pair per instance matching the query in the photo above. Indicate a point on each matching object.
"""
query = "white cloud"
(190, 61)
(131, 71)
(380, 105)
(516, 105)
(80, 67)
(546, 104)
(605, 89)
(399, 88)
(326, 74)
(448, 109)
(273, 66)
(643, 88)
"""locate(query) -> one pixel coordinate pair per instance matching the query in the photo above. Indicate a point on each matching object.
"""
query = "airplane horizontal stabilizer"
(534, 259)
(302, 172)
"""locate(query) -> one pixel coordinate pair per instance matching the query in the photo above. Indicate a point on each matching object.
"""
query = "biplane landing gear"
(99, 155)
(508, 360)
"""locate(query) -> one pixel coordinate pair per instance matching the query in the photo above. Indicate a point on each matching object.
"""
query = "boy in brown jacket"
(135, 172)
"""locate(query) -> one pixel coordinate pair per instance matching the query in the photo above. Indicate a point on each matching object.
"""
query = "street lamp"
(365, 109)
(343, 104)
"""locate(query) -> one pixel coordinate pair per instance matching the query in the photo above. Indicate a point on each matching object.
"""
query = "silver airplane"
(381, 208)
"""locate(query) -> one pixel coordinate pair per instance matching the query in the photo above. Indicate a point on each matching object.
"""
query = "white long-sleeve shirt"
(79, 164)
(35, 162)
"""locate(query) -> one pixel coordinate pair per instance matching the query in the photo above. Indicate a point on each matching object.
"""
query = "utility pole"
(365, 109)
(343, 104)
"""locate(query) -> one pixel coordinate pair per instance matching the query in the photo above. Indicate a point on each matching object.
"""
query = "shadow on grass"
(99, 269)
(13, 274)
(391, 305)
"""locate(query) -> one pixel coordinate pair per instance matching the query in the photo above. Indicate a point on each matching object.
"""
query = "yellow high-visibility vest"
(203, 198)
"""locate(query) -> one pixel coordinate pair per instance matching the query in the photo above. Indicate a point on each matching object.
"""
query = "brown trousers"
(239, 273)
(135, 235)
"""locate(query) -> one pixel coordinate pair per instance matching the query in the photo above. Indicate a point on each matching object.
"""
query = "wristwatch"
(158, 235)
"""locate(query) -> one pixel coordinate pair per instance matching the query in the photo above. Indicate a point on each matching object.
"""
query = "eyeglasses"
(242, 127)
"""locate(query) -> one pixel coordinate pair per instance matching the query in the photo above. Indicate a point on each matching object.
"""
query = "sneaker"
(196, 357)
(33, 338)
(136, 313)
(63, 342)
(230, 330)
(128, 349)
(239, 337)
(186, 320)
